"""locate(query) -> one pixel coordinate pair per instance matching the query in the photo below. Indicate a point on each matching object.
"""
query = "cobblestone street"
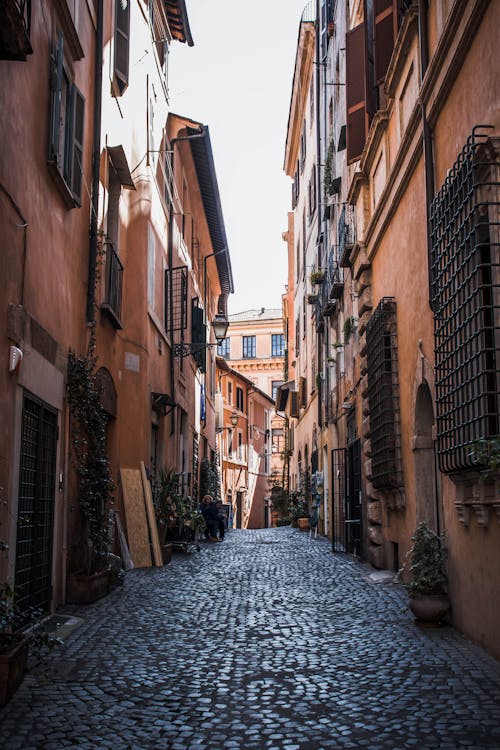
(267, 640)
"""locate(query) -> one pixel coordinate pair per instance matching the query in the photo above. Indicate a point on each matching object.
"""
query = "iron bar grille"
(178, 297)
(346, 233)
(383, 397)
(465, 291)
(35, 522)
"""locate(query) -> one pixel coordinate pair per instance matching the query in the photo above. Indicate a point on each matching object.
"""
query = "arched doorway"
(423, 451)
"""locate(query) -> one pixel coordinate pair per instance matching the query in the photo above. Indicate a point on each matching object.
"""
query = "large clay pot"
(12, 667)
(84, 589)
(429, 608)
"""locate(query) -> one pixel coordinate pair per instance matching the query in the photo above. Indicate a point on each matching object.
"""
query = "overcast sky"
(237, 79)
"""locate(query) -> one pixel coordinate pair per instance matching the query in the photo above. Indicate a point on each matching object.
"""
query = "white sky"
(237, 79)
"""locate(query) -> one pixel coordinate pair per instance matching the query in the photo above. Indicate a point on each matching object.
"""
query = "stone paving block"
(268, 640)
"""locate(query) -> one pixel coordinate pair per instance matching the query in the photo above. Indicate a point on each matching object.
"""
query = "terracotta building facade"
(406, 317)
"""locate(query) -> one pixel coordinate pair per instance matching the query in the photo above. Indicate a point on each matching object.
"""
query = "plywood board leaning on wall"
(150, 513)
(135, 514)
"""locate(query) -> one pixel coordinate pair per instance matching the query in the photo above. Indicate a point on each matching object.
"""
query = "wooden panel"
(150, 513)
(135, 514)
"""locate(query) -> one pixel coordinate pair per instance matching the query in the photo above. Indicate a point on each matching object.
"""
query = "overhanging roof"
(282, 394)
(201, 149)
(178, 21)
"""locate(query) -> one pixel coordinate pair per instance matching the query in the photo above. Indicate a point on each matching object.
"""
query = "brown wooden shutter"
(121, 57)
(358, 92)
(56, 71)
(386, 29)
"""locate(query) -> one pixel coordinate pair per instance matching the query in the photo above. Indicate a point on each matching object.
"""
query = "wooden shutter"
(386, 29)
(359, 92)
(294, 404)
(77, 130)
(121, 58)
(199, 336)
(56, 71)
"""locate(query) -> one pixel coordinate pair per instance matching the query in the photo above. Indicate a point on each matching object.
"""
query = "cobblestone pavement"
(266, 641)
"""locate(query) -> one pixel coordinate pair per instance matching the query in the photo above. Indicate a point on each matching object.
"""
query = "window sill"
(61, 184)
(111, 315)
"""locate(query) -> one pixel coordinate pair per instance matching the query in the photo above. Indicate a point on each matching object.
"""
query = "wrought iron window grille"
(465, 295)
(383, 397)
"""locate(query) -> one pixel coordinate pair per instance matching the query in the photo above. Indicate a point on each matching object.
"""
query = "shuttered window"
(359, 92)
(386, 21)
(67, 118)
(121, 57)
(199, 336)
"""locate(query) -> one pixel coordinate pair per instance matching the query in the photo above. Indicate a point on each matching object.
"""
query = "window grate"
(383, 397)
(37, 478)
(177, 293)
(465, 291)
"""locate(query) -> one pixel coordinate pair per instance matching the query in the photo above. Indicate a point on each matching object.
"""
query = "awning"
(201, 149)
(282, 394)
(119, 161)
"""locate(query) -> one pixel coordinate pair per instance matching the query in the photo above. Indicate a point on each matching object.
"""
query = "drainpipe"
(319, 337)
(429, 195)
(96, 160)
(170, 241)
(426, 131)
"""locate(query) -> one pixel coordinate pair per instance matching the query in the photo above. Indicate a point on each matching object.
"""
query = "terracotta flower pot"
(12, 668)
(429, 608)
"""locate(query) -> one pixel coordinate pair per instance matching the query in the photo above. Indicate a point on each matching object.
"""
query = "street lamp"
(234, 419)
(220, 324)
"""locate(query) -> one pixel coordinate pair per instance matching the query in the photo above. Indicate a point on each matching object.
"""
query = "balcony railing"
(347, 234)
(113, 293)
(15, 21)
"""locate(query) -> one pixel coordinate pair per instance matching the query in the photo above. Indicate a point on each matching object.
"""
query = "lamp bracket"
(185, 349)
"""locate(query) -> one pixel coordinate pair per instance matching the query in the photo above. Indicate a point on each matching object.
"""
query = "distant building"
(255, 347)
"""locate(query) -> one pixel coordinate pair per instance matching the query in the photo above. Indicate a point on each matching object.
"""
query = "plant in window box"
(425, 568)
(317, 276)
(350, 326)
(21, 631)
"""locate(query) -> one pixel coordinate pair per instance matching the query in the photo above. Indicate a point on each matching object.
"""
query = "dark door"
(353, 498)
(239, 501)
(37, 487)
(338, 499)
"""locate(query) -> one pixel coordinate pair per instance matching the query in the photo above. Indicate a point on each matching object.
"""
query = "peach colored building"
(148, 283)
(407, 340)
(245, 447)
(256, 347)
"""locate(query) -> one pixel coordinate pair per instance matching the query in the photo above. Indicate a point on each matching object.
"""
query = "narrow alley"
(267, 640)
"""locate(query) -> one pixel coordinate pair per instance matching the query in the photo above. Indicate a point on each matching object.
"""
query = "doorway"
(425, 465)
(36, 500)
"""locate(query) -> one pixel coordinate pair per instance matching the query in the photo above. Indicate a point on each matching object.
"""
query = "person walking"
(210, 514)
(221, 519)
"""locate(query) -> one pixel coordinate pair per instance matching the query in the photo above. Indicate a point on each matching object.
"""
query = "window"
(224, 348)
(249, 347)
(229, 443)
(230, 393)
(241, 454)
(297, 334)
(303, 148)
(67, 114)
(277, 345)
(121, 56)
(311, 192)
(383, 398)
(113, 266)
(239, 399)
(275, 384)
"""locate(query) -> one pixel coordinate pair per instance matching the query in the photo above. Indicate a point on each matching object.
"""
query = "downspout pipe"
(426, 131)
(170, 255)
(429, 195)
(96, 161)
(320, 160)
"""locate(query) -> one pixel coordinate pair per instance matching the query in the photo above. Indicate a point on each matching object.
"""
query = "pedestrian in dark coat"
(210, 514)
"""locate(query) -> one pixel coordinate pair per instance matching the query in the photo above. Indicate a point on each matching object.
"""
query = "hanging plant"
(89, 457)
(327, 178)
(349, 329)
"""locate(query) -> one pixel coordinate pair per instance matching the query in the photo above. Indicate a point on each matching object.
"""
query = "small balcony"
(112, 304)
(15, 20)
(347, 234)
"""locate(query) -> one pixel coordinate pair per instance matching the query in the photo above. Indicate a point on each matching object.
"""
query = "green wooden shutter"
(56, 70)
(78, 117)
(199, 336)
(121, 57)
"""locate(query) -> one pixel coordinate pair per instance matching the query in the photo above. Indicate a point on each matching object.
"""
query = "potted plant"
(20, 632)
(317, 276)
(427, 584)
